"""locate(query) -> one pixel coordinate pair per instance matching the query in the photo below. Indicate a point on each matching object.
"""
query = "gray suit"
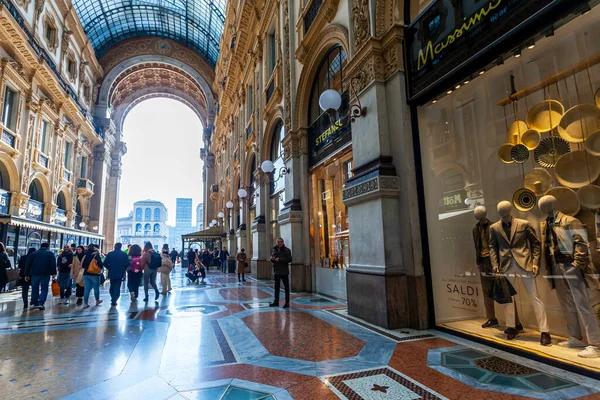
(522, 246)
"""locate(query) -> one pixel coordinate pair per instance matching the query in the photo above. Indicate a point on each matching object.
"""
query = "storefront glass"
(553, 151)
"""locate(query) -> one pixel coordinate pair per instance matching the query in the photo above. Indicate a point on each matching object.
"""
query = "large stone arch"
(10, 172)
(332, 35)
(68, 199)
(246, 178)
(44, 184)
(276, 115)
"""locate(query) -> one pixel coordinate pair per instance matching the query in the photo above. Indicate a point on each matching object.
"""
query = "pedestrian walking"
(92, 269)
(150, 263)
(116, 262)
(135, 272)
(223, 256)
(174, 254)
(281, 256)
(25, 285)
(41, 265)
(77, 274)
(65, 263)
(165, 272)
(191, 257)
(242, 261)
(4, 267)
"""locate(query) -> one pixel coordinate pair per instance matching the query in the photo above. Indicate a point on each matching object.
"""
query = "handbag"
(55, 288)
(501, 291)
(247, 267)
(12, 274)
(79, 279)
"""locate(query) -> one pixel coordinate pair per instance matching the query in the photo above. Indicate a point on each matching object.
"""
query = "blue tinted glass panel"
(195, 23)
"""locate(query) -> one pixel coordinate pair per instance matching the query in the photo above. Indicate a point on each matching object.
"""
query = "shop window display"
(511, 163)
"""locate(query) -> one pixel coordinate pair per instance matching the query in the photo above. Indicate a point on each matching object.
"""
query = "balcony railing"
(85, 184)
(249, 129)
(311, 14)
(43, 161)
(8, 138)
(67, 175)
(270, 89)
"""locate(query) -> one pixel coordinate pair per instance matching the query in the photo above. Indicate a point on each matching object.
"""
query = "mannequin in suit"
(481, 237)
(565, 256)
(515, 253)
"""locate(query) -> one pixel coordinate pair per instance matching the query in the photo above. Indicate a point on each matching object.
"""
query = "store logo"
(431, 51)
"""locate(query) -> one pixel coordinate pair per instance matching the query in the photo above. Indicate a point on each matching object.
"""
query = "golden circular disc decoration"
(504, 153)
(515, 130)
(524, 199)
(589, 196)
(566, 200)
(579, 122)
(592, 143)
(577, 169)
(539, 181)
(550, 150)
(545, 116)
(531, 139)
(519, 153)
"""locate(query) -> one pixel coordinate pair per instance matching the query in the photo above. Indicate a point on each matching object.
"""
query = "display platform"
(528, 341)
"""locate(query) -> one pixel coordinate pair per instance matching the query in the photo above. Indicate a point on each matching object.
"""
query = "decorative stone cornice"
(325, 15)
(375, 187)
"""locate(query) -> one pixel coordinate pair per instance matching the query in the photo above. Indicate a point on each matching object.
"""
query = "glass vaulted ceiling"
(195, 23)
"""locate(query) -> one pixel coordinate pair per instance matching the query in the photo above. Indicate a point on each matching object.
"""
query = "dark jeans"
(115, 291)
(286, 284)
(133, 282)
(79, 291)
(64, 282)
(39, 287)
(150, 280)
(25, 292)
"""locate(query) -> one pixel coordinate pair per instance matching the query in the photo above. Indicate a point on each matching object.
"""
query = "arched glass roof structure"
(195, 23)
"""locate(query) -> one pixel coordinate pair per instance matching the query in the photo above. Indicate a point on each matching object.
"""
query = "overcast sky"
(162, 163)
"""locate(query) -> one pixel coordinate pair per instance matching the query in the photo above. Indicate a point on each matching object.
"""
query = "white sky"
(163, 138)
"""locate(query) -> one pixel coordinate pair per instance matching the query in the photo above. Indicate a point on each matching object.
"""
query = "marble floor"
(222, 341)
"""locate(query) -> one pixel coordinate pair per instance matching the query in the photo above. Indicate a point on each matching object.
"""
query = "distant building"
(199, 216)
(146, 223)
(183, 222)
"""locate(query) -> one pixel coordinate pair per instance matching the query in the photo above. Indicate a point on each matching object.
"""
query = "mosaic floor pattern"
(222, 341)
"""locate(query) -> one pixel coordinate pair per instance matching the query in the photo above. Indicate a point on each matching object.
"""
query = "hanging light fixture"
(229, 204)
(330, 101)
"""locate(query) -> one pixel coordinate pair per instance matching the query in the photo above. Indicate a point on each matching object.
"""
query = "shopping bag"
(55, 288)
(13, 275)
(79, 279)
(501, 291)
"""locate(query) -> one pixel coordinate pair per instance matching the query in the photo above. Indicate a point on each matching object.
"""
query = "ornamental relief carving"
(24, 4)
(360, 19)
(287, 69)
(27, 155)
(360, 189)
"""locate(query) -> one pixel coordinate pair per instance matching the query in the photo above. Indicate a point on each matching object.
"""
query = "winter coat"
(76, 266)
(242, 259)
(166, 265)
(41, 262)
(285, 257)
(65, 267)
(116, 262)
(146, 258)
(4, 266)
(85, 262)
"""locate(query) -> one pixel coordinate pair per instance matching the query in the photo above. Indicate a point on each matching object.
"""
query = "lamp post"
(330, 101)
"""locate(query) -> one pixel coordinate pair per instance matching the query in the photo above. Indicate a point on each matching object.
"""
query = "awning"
(206, 234)
(44, 226)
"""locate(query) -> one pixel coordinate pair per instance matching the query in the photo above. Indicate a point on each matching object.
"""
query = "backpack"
(135, 264)
(155, 260)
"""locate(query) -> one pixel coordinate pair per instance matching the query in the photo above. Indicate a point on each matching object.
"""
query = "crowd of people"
(86, 268)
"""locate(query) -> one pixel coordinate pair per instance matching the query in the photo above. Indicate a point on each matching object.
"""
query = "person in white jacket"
(165, 272)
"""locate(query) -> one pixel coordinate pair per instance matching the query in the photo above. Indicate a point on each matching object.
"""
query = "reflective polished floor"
(221, 341)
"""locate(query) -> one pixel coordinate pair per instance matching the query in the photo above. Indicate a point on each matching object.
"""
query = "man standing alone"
(116, 262)
(174, 254)
(281, 256)
(41, 264)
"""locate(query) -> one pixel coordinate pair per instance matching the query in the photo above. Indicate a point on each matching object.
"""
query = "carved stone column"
(209, 174)
(100, 175)
(292, 219)
(385, 282)
(261, 267)
(111, 202)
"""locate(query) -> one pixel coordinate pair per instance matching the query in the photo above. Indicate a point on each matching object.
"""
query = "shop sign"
(324, 138)
(35, 210)
(4, 202)
(449, 33)
(453, 201)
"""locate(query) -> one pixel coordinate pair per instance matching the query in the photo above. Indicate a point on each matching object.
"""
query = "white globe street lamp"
(229, 204)
(243, 193)
(82, 224)
(267, 166)
(220, 214)
(330, 100)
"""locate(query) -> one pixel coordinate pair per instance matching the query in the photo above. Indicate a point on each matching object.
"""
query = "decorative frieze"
(375, 187)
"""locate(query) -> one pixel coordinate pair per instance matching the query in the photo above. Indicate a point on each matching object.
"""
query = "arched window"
(36, 191)
(157, 214)
(329, 76)
(156, 229)
(253, 184)
(4, 178)
(61, 201)
(276, 155)
(138, 227)
(138, 214)
(148, 214)
(147, 230)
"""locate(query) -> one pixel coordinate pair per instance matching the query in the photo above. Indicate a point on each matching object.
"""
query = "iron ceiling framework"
(195, 23)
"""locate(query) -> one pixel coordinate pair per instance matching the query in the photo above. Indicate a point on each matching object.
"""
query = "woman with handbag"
(92, 269)
(165, 271)
(77, 274)
(25, 285)
(242, 261)
(134, 272)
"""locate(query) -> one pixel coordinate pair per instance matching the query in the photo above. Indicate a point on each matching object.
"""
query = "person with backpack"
(92, 269)
(116, 262)
(25, 285)
(135, 272)
(77, 274)
(150, 262)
